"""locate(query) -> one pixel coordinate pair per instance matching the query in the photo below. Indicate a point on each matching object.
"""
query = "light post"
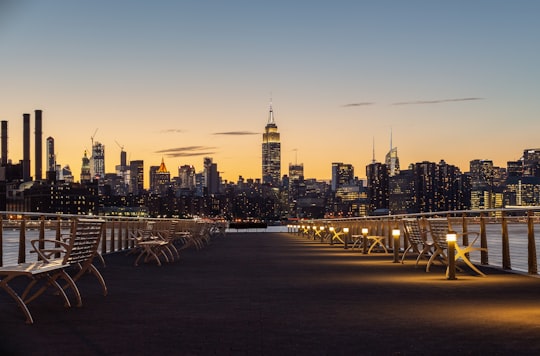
(321, 234)
(395, 234)
(451, 271)
(331, 228)
(346, 238)
(365, 240)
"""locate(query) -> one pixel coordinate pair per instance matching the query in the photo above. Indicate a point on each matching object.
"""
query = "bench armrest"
(46, 253)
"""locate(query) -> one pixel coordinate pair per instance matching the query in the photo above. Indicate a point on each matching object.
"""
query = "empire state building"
(271, 152)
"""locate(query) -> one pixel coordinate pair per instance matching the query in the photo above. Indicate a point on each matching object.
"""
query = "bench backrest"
(413, 231)
(84, 241)
(438, 229)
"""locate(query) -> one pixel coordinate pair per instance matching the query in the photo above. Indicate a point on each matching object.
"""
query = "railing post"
(104, 239)
(126, 236)
(58, 235)
(120, 235)
(506, 264)
(22, 241)
(1, 241)
(483, 240)
(365, 233)
(41, 236)
(465, 228)
(112, 236)
(533, 265)
(387, 231)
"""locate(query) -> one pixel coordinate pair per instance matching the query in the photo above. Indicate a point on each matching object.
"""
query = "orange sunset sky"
(181, 80)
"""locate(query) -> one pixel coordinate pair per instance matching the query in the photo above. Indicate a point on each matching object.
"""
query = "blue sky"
(452, 80)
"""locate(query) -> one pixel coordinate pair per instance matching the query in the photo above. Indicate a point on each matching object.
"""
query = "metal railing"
(509, 234)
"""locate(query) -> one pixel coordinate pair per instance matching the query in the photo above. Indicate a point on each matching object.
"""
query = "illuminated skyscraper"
(271, 152)
(97, 161)
(342, 174)
(51, 160)
(531, 162)
(160, 178)
(377, 186)
(86, 176)
(136, 175)
(187, 177)
(392, 160)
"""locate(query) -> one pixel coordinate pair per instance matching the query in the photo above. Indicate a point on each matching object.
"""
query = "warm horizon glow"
(180, 81)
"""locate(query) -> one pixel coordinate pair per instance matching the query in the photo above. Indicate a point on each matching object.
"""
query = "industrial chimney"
(26, 148)
(4, 143)
(38, 148)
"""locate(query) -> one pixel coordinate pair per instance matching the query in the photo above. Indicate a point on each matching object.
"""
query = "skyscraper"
(136, 174)
(531, 162)
(186, 173)
(271, 152)
(211, 176)
(86, 176)
(160, 178)
(377, 186)
(392, 160)
(342, 174)
(97, 161)
(51, 160)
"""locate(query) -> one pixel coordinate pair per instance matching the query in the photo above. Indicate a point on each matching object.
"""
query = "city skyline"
(184, 80)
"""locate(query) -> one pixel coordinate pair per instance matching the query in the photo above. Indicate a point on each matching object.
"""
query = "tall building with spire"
(86, 175)
(160, 178)
(392, 160)
(271, 152)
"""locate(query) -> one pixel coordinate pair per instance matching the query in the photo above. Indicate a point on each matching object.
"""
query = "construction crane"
(119, 145)
(92, 138)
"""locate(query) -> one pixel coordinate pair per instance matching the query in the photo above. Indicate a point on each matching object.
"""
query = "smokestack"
(4, 143)
(26, 148)
(38, 148)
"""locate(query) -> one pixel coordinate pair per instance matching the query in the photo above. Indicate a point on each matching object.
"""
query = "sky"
(181, 80)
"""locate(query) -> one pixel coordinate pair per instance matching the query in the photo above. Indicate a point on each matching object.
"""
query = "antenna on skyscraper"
(391, 139)
(271, 113)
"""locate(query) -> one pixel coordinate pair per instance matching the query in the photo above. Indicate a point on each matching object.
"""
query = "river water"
(517, 236)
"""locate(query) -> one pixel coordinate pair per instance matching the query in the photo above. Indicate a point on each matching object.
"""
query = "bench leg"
(4, 284)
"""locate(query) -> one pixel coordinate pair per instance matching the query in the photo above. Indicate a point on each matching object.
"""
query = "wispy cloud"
(357, 104)
(188, 151)
(236, 133)
(439, 101)
(171, 131)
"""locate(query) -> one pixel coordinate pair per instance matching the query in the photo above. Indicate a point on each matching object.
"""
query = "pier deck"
(279, 294)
